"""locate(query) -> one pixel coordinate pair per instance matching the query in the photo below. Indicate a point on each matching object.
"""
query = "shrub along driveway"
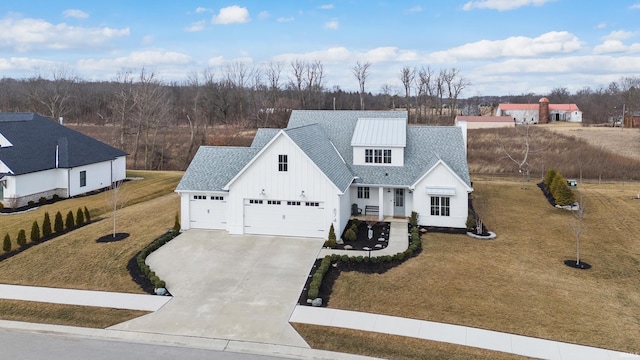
(230, 286)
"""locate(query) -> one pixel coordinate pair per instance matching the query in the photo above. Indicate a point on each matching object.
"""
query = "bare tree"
(520, 150)
(361, 71)
(115, 199)
(53, 95)
(296, 80)
(455, 84)
(578, 227)
(407, 76)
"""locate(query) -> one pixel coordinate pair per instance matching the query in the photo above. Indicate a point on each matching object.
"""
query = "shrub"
(313, 293)
(87, 216)
(6, 245)
(58, 225)
(42, 200)
(31, 203)
(55, 197)
(561, 192)
(314, 286)
(69, 223)
(350, 235)
(46, 225)
(331, 240)
(359, 259)
(176, 223)
(471, 222)
(160, 284)
(79, 217)
(22, 238)
(35, 231)
(355, 222)
(413, 220)
(344, 258)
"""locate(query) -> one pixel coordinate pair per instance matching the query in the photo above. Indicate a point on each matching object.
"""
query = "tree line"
(140, 106)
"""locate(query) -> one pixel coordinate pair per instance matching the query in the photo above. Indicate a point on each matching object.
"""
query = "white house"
(541, 113)
(299, 180)
(41, 158)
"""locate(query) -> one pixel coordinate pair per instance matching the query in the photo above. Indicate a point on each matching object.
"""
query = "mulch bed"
(380, 231)
(112, 237)
(574, 264)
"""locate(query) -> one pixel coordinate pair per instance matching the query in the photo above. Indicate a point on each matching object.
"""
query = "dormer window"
(374, 139)
(377, 156)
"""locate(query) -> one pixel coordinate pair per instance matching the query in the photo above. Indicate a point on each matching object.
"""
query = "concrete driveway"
(236, 287)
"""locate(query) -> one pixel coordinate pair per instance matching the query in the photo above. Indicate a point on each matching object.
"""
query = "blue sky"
(502, 47)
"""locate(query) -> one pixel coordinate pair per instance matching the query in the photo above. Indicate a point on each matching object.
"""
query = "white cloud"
(264, 15)
(75, 13)
(619, 35)
(23, 64)
(148, 58)
(326, 7)
(635, 6)
(502, 5)
(216, 61)
(615, 46)
(332, 25)
(555, 42)
(201, 10)
(25, 34)
(148, 39)
(231, 15)
(601, 26)
(416, 9)
(196, 26)
(283, 19)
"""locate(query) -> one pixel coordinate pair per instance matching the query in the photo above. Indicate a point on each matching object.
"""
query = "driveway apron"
(236, 287)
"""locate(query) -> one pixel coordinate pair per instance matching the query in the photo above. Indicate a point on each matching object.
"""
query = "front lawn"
(518, 282)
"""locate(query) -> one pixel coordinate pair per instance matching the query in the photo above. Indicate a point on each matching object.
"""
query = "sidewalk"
(84, 297)
(454, 334)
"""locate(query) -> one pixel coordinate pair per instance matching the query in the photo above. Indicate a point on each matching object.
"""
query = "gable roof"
(425, 146)
(556, 107)
(380, 132)
(227, 160)
(42, 144)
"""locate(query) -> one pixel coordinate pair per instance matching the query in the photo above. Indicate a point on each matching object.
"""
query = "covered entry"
(208, 211)
(282, 217)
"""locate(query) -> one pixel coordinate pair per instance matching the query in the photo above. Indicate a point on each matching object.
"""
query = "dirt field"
(625, 142)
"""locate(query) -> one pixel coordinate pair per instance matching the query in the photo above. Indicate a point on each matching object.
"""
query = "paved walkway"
(454, 334)
(398, 242)
(84, 297)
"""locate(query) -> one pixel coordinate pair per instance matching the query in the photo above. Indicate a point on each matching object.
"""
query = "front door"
(398, 203)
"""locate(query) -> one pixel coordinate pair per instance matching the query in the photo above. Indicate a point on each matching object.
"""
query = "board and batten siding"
(302, 175)
(441, 176)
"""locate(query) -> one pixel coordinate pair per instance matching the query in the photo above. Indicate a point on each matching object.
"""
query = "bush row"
(153, 246)
(557, 187)
(82, 217)
(415, 245)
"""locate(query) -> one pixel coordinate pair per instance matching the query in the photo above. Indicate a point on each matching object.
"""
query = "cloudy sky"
(503, 47)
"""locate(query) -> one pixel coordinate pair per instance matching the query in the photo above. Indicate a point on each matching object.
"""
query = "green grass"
(518, 282)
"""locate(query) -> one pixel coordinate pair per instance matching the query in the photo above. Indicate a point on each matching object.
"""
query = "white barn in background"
(325, 165)
(41, 158)
(541, 113)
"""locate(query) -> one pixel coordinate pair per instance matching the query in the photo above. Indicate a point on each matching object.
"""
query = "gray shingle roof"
(35, 139)
(425, 146)
(214, 166)
(263, 136)
(314, 142)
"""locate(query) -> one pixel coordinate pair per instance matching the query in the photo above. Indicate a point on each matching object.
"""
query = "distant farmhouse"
(485, 122)
(541, 113)
(40, 158)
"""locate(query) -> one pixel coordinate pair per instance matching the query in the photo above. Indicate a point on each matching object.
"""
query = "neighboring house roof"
(42, 144)
(556, 107)
(227, 162)
(380, 132)
(263, 136)
(508, 119)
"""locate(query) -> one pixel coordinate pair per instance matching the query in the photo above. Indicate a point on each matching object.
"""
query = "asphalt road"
(36, 346)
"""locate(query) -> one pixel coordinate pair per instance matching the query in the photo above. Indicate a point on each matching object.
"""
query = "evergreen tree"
(331, 240)
(87, 216)
(6, 245)
(22, 238)
(46, 225)
(176, 224)
(35, 231)
(548, 179)
(564, 195)
(555, 183)
(69, 223)
(79, 217)
(58, 225)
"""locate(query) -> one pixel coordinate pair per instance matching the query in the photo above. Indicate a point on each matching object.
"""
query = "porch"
(380, 201)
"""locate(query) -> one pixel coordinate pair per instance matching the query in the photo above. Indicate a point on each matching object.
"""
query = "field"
(75, 260)
(518, 282)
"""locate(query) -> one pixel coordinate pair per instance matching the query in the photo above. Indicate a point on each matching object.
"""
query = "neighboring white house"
(299, 180)
(41, 158)
(485, 122)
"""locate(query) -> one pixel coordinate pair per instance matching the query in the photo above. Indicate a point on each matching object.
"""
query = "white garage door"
(208, 211)
(287, 218)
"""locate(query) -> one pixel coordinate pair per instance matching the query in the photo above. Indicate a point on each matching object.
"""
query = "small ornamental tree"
(69, 223)
(6, 244)
(35, 231)
(548, 179)
(87, 216)
(79, 217)
(564, 195)
(58, 224)
(555, 183)
(176, 223)
(350, 235)
(22, 238)
(46, 225)
(331, 240)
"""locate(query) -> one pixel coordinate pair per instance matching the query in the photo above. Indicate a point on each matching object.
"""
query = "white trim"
(441, 190)
(467, 187)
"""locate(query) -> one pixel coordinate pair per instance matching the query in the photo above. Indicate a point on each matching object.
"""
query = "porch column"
(380, 203)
